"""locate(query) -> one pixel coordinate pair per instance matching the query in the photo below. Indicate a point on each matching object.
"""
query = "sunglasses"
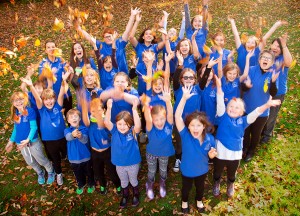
(188, 77)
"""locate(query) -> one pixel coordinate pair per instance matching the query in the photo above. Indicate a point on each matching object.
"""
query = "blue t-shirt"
(52, 123)
(59, 66)
(259, 93)
(241, 58)
(32, 103)
(173, 62)
(99, 137)
(124, 148)
(194, 161)
(160, 141)
(230, 89)
(22, 129)
(107, 78)
(192, 104)
(209, 102)
(154, 99)
(141, 47)
(106, 50)
(216, 55)
(88, 96)
(78, 152)
(141, 70)
(81, 64)
(231, 131)
(281, 82)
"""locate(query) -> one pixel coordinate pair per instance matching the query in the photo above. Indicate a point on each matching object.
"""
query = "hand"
(160, 65)
(115, 36)
(213, 62)
(135, 11)
(134, 61)
(23, 144)
(28, 81)
(250, 54)
(145, 100)
(248, 82)
(138, 17)
(218, 81)
(109, 103)
(75, 133)
(166, 97)
(150, 56)
(230, 19)
(283, 39)
(183, 14)
(169, 56)
(275, 75)
(30, 70)
(186, 92)
(231, 54)
(166, 14)
(194, 34)
(163, 31)
(212, 153)
(9, 146)
(179, 57)
(66, 74)
(273, 103)
(281, 22)
(79, 134)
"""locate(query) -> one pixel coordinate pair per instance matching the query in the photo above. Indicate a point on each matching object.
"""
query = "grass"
(269, 185)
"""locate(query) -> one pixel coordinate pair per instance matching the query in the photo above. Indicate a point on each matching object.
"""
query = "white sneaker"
(59, 179)
(176, 166)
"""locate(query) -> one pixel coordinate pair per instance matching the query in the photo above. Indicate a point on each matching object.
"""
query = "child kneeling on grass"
(25, 135)
(79, 154)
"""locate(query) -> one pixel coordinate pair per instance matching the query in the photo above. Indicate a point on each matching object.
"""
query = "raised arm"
(113, 55)
(182, 27)
(30, 72)
(287, 57)
(176, 81)
(166, 97)
(276, 25)
(39, 102)
(107, 121)
(135, 114)
(168, 57)
(187, 15)
(235, 32)
(84, 111)
(64, 87)
(220, 97)
(85, 35)
(147, 112)
(129, 25)
(247, 66)
(178, 114)
(195, 49)
(132, 38)
(204, 78)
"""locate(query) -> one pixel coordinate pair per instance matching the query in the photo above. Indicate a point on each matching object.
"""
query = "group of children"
(103, 130)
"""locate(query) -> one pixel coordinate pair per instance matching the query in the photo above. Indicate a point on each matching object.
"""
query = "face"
(49, 102)
(188, 78)
(108, 38)
(220, 41)
(184, 47)
(275, 48)
(158, 86)
(78, 51)
(122, 126)
(172, 33)
(196, 128)
(197, 22)
(50, 46)
(96, 110)
(121, 81)
(74, 120)
(231, 75)
(234, 109)
(39, 89)
(108, 65)
(89, 79)
(148, 37)
(18, 103)
(266, 61)
(159, 120)
(250, 44)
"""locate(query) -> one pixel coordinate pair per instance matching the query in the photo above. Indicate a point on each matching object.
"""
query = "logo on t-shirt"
(168, 131)
(234, 84)
(25, 119)
(194, 91)
(55, 111)
(239, 121)
(104, 142)
(191, 60)
(212, 93)
(129, 137)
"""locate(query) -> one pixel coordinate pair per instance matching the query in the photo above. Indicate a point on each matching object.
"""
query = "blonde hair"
(239, 101)
(157, 109)
(13, 109)
(96, 83)
(48, 94)
(72, 112)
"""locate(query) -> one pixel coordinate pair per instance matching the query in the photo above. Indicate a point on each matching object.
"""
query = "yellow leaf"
(37, 42)
(22, 57)
(293, 64)
(22, 42)
(58, 25)
(244, 38)
(57, 52)
(206, 49)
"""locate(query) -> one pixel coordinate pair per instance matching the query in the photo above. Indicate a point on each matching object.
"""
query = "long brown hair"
(74, 61)
(125, 115)
(190, 45)
(141, 39)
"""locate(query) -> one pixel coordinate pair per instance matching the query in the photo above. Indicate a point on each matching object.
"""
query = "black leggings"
(100, 161)
(56, 149)
(187, 183)
(231, 168)
(252, 135)
(81, 171)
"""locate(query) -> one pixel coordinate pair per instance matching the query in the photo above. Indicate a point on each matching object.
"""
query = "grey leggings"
(152, 166)
(128, 174)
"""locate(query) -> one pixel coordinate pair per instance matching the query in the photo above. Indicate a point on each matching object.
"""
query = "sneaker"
(200, 206)
(41, 177)
(103, 190)
(59, 179)
(119, 190)
(79, 190)
(176, 166)
(91, 189)
(51, 177)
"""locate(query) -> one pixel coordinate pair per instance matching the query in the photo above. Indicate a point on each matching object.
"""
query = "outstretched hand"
(186, 92)
(273, 103)
(218, 81)
(109, 103)
(213, 62)
(166, 97)
(179, 57)
(27, 81)
(248, 82)
(250, 54)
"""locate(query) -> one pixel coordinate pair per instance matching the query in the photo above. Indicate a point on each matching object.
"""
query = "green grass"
(269, 185)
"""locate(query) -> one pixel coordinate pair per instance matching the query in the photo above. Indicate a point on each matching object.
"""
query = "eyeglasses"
(107, 37)
(266, 58)
(18, 100)
(188, 77)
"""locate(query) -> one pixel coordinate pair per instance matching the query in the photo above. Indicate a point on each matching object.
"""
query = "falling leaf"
(244, 38)
(31, 6)
(47, 73)
(12, 2)
(22, 42)
(57, 52)
(206, 49)
(58, 25)
(293, 64)
(10, 53)
(37, 42)
(158, 74)
(147, 79)
(140, 210)
(59, 3)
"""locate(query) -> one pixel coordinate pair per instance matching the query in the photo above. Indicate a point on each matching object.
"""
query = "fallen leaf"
(58, 25)
(37, 42)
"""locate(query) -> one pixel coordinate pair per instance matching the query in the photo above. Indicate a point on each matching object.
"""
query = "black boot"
(136, 196)
(124, 199)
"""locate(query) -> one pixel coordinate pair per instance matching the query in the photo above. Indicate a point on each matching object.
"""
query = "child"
(125, 153)
(52, 123)
(159, 125)
(58, 68)
(101, 146)
(258, 88)
(197, 146)
(229, 136)
(252, 43)
(26, 137)
(78, 152)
